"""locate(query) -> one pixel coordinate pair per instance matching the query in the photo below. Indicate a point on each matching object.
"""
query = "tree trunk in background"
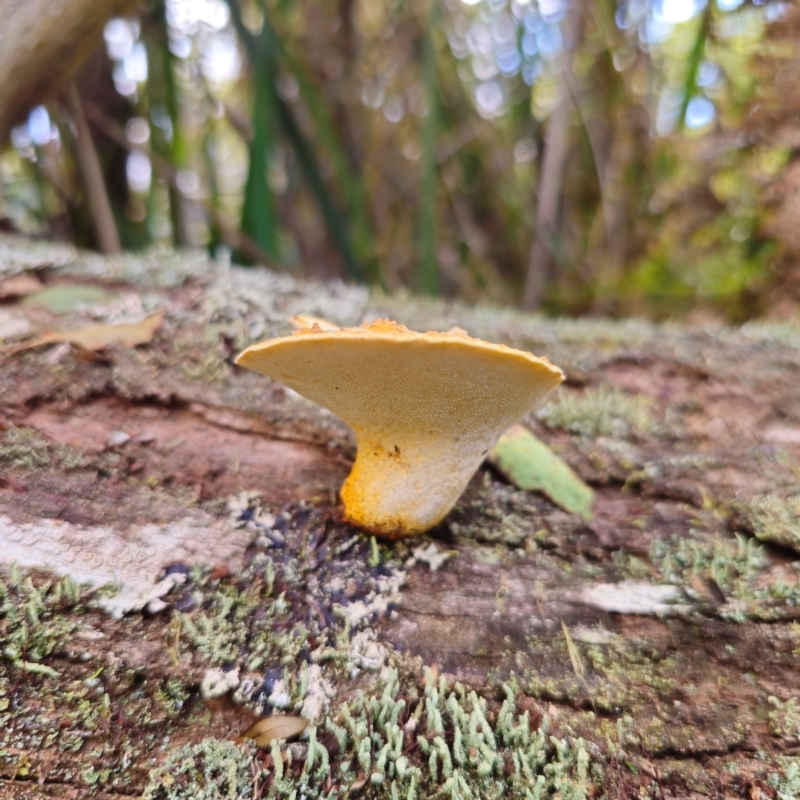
(555, 154)
(43, 43)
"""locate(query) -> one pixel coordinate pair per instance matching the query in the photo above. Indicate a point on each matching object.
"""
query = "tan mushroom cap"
(425, 408)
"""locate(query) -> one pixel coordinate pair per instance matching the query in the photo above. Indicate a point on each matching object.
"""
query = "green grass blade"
(263, 51)
(427, 270)
(693, 62)
(259, 211)
(162, 94)
(333, 219)
(346, 180)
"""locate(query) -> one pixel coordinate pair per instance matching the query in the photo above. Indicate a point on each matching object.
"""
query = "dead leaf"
(19, 286)
(530, 464)
(65, 297)
(649, 769)
(278, 726)
(358, 785)
(98, 337)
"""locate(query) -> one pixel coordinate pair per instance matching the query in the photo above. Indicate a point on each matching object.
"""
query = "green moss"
(618, 675)
(27, 449)
(726, 560)
(600, 412)
(751, 586)
(171, 696)
(215, 632)
(495, 513)
(204, 361)
(249, 614)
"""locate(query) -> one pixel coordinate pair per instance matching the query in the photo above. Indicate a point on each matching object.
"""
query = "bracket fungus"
(425, 407)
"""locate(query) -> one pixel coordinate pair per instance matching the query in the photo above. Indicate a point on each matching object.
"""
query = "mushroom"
(425, 408)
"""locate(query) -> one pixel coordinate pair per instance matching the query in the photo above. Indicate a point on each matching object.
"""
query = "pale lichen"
(445, 742)
(600, 412)
(36, 619)
(774, 519)
(784, 719)
(786, 785)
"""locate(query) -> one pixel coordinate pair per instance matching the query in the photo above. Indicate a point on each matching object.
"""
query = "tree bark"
(659, 631)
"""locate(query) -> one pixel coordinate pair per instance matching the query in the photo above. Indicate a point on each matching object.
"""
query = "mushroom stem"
(397, 489)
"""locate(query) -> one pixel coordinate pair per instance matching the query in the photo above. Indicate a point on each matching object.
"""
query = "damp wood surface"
(665, 631)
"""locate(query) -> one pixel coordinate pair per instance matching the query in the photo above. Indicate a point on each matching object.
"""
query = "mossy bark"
(660, 631)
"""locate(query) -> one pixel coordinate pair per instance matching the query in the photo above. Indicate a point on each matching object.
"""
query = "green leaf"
(532, 466)
(260, 209)
(63, 298)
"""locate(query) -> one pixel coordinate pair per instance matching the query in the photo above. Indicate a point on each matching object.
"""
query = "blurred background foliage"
(610, 157)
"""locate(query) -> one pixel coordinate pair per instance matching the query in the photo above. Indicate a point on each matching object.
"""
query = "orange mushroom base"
(395, 491)
(425, 408)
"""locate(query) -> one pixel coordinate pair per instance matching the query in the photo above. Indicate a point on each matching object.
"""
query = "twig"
(92, 176)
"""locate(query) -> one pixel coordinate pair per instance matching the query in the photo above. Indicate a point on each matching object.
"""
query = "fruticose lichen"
(446, 742)
(31, 623)
(787, 786)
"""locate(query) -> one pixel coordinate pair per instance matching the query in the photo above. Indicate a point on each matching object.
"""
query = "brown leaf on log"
(98, 337)
(279, 726)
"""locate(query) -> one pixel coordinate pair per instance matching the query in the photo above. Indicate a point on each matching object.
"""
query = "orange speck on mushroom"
(425, 409)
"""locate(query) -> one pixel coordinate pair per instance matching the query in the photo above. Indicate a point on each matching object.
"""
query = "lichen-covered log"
(517, 650)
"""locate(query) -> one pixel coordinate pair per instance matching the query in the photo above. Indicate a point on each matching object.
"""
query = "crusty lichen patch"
(774, 519)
